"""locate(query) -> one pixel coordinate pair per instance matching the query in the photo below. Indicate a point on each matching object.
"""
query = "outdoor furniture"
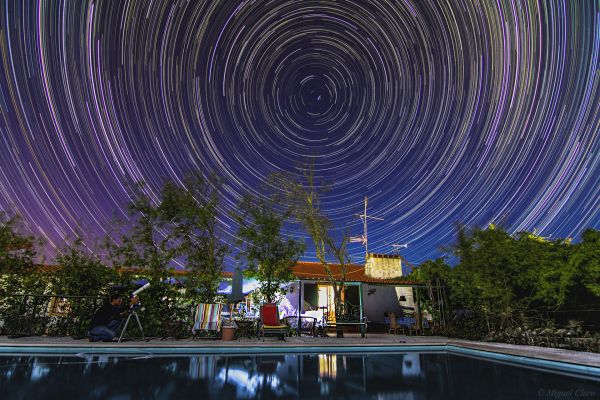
(394, 327)
(269, 323)
(302, 324)
(207, 321)
(246, 328)
(405, 323)
(408, 323)
(348, 314)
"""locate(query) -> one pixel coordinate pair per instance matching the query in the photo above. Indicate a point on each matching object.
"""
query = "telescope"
(133, 311)
(140, 290)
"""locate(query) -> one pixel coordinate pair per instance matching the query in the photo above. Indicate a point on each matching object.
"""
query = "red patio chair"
(270, 323)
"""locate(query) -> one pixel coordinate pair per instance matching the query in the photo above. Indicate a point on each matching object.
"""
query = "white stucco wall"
(384, 299)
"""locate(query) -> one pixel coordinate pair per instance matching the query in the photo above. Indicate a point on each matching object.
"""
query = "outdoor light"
(402, 298)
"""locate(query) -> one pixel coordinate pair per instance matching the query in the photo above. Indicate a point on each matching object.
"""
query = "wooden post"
(418, 312)
(360, 300)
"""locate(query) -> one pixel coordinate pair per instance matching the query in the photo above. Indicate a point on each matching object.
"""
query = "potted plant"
(228, 329)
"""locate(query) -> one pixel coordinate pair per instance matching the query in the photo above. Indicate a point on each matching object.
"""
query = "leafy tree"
(180, 226)
(18, 275)
(81, 273)
(194, 228)
(146, 246)
(585, 259)
(270, 257)
(511, 280)
(543, 279)
(435, 274)
(485, 278)
(431, 270)
(17, 251)
(145, 243)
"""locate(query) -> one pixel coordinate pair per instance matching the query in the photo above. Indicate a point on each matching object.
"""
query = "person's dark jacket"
(105, 314)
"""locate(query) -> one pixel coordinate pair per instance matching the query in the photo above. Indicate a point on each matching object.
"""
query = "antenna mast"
(364, 217)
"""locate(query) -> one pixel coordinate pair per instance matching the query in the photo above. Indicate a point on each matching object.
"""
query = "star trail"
(439, 111)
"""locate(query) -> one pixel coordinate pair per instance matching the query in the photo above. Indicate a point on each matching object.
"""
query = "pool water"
(407, 375)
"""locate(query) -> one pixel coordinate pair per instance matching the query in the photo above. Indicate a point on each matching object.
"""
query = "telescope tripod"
(133, 313)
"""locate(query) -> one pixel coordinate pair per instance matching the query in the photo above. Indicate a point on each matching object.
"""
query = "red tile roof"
(303, 270)
(306, 270)
(47, 268)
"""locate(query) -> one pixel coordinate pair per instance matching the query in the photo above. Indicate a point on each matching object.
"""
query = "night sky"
(439, 111)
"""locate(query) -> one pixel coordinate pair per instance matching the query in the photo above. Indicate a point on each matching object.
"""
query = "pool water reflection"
(289, 376)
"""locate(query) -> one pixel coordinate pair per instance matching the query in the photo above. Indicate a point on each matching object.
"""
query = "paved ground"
(351, 340)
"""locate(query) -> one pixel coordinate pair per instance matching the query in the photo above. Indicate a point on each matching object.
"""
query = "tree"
(180, 226)
(485, 278)
(16, 250)
(18, 275)
(269, 256)
(431, 270)
(192, 215)
(145, 244)
(511, 280)
(436, 275)
(81, 273)
(585, 258)
(304, 197)
(543, 278)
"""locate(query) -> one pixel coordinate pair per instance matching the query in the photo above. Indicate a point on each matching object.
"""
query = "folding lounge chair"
(207, 321)
(270, 323)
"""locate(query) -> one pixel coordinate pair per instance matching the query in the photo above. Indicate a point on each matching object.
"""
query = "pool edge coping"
(493, 351)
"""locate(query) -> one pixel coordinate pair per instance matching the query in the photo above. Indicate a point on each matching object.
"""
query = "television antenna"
(364, 217)
(396, 247)
(396, 251)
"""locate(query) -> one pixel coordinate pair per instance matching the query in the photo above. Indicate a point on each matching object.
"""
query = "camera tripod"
(132, 313)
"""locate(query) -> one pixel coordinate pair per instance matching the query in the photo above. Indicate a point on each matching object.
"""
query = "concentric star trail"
(439, 111)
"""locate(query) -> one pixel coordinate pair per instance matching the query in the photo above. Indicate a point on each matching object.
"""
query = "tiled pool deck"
(353, 341)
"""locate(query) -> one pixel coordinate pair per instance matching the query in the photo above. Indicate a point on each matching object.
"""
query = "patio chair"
(408, 323)
(270, 323)
(394, 327)
(207, 321)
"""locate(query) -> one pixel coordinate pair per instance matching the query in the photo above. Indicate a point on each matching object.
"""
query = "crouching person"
(108, 319)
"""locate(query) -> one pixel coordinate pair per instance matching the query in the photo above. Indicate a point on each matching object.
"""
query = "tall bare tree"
(304, 195)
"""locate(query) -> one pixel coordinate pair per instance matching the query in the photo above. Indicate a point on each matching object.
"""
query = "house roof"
(46, 268)
(305, 270)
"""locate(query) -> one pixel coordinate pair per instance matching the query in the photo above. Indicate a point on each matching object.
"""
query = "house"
(375, 288)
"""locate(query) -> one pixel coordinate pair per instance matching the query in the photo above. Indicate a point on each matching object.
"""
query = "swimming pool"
(418, 373)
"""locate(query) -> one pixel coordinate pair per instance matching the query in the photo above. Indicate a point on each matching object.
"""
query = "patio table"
(307, 324)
